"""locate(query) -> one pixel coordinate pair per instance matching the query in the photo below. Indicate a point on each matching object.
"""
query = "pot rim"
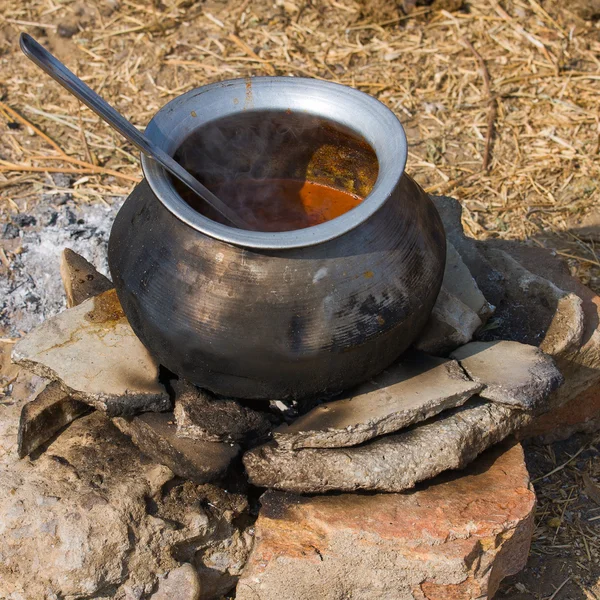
(361, 113)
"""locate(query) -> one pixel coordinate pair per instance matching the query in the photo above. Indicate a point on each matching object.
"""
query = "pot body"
(272, 315)
(278, 323)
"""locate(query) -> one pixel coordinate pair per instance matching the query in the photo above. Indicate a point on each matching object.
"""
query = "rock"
(81, 279)
(451, 324)
(155, 434)
(391, 463)
(45, 416)
(558, 317)
(23, 389)
(181, 583)
(97, 357)
(460, 310)
(456, 538)
(489, 280)
(511, 373)
(535, 311)
(93, 518)
(459, 282)
(202, 416)
(578, 359)
(410, 391)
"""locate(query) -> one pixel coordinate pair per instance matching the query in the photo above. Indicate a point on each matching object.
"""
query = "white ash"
(33, 289)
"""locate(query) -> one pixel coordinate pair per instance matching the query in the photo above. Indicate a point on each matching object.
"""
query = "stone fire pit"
(119, 481)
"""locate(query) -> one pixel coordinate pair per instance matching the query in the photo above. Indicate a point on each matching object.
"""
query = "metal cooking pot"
(286, 314)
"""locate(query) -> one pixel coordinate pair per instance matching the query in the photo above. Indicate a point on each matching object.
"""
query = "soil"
(565, 552)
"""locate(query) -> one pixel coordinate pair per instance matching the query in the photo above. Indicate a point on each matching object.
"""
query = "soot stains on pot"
(296, 333)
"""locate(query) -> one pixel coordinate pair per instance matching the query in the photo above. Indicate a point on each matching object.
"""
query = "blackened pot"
(287, 314)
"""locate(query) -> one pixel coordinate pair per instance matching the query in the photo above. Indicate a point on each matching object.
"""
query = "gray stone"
(202, 416)
(579, 361)
(415, 389)
(181, 583)
(459, 282)
(535, 311)
(460, 310)
(489, 280)
(451, 324)
(155, 434)
(586, 226)
(80, 278)
(392, 463)
(97, 357)
(45, 416)
(511, 373)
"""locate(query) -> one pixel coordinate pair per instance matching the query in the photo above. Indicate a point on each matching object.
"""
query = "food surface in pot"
(278, 204)
(279, 171)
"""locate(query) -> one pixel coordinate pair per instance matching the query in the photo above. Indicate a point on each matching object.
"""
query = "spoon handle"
(58, 71)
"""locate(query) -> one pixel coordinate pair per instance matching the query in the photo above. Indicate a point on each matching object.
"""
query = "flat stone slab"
(92, 350)
(46, 415)
(413, 390)
(511, 373)
(392, 463)
(81, 279)
(155, 434)
(202, 416)
(454, 539)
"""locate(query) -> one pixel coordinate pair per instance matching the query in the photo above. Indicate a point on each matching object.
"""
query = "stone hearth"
(118, 481)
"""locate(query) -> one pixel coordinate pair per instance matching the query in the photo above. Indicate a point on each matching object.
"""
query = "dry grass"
(521, 79)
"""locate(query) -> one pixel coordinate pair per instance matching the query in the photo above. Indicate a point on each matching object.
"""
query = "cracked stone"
(410, 391)
(81, 279)
(455, 538)
(92, 350)
(392, 463)
(574, 406)
(202, 416)
(155, 434)
(459, 282)
(46, 415)
(511, 373)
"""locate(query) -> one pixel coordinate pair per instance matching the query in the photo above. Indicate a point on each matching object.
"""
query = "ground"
(499, 102)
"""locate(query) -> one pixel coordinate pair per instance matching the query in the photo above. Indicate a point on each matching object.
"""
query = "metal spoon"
(57, 70)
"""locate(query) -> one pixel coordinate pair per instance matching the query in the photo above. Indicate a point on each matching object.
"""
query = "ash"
(33, 290)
